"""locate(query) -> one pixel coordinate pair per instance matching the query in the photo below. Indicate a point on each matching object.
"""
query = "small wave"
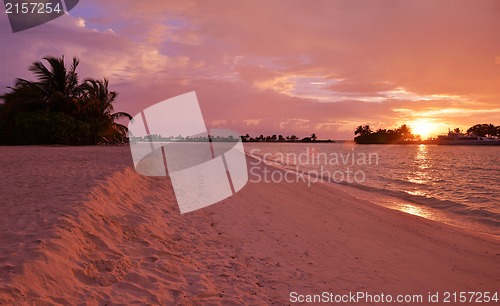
(479, 215)
(400, 181)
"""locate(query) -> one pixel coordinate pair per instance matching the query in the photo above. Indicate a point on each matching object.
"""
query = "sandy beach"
(80, 226)
(250, 153)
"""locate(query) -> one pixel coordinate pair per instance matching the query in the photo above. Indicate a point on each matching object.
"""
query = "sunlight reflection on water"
(415, 210)
(453, 183)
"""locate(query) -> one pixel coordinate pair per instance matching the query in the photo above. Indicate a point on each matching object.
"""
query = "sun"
(424, 128)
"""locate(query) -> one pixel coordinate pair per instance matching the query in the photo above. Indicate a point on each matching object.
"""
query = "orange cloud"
(302, 67)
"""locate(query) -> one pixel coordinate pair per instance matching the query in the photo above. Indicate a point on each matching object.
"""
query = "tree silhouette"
(363, 130)
(55, 108)
(484, 130)
(365, 135)
(405, 132)
(97, 105)
(281, 138)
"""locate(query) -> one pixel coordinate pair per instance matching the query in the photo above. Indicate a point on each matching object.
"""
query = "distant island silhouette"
(244, 138)
(58, 109)
(281, 138)
(403, 135)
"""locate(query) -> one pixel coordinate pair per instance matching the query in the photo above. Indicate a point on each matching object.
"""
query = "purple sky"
(284, 67)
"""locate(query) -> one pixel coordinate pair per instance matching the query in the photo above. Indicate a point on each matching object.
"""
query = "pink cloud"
(259, 66)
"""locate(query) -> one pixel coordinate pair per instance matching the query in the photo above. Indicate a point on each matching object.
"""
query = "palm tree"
(97, 103)
(405, 132)
(58, 86)
(55, 89)
(55, 108)
(484, 130)
(363, 130)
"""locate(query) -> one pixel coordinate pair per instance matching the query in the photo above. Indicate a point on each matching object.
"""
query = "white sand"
(126, 242)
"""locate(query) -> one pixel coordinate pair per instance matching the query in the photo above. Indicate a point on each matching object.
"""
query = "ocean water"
(459, 185)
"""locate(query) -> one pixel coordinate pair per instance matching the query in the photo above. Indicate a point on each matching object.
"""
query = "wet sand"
(79, 225)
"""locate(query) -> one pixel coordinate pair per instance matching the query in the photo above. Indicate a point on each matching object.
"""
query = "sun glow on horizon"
(425, 128)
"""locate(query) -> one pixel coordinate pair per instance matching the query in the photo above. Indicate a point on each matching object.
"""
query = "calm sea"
(453, 184)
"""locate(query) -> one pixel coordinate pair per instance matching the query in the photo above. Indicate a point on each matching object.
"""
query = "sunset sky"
(284, 67)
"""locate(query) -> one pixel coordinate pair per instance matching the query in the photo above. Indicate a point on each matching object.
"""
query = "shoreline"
(432, 208)
(391, 203)
(128, 243)
(343, 243)
(415, 209)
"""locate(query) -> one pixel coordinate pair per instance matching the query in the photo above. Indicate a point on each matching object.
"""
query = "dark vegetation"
(484, 130)
(58, 109)
(281, 138)
(365, 135)
(403, 134)
(244, 138)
